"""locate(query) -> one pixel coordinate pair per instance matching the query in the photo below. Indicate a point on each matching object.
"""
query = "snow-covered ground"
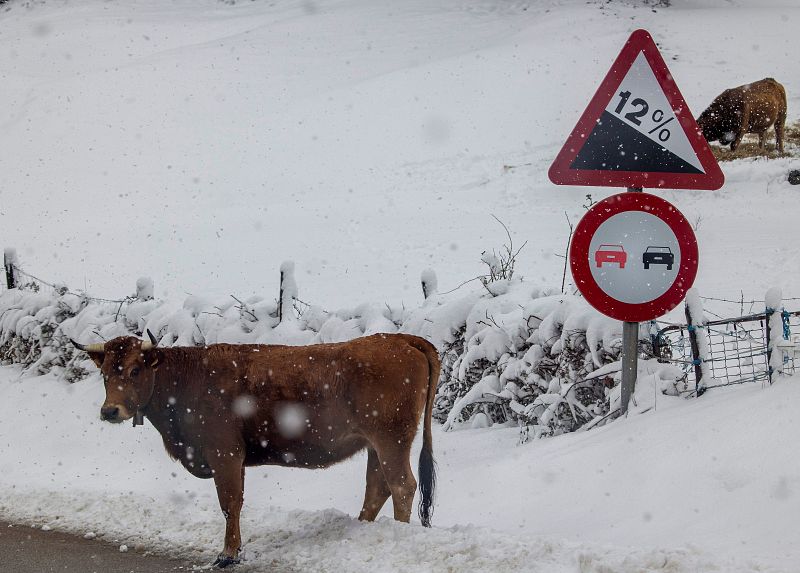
(696, 485)
(203, 143)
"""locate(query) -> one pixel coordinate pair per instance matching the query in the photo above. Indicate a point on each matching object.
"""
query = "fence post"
(774, 320)
(288, 290)
(10, 261)
(655, 341)
(699, 384)
(768, 312)
(144, 288)
(429, 283)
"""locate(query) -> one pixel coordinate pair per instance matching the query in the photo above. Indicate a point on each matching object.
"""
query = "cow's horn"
(99, 347)
(148, 344)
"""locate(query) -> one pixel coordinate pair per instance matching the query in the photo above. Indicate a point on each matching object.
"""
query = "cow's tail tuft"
(427, 483)
(427, 465)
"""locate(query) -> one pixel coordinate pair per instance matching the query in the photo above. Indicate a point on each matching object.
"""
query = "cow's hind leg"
(229, 479)
(395, 461)
(779, 127)
(377, 489)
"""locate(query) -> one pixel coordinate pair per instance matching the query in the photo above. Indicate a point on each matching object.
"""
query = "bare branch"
(566, 253)
(243, 308)
(479, 277)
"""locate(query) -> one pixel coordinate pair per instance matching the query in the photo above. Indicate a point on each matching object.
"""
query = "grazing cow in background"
(752, 108)
(223, 407)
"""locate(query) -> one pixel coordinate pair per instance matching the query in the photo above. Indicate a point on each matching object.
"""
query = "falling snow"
(201, 143)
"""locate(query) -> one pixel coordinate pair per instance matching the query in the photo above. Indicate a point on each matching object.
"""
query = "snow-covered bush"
(30, 333)
(522, 356)
(511, 352)
(36, 325)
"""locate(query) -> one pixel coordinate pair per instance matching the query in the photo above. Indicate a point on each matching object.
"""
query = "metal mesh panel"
(737, 348)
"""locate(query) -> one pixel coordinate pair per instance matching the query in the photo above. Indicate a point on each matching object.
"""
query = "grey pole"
(630, 352)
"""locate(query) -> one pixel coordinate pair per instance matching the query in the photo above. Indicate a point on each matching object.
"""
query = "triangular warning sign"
(637, 131)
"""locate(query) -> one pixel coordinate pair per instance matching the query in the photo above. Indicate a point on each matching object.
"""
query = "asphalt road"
(27, 550)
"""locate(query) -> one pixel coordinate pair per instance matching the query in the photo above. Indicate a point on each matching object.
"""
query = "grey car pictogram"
(658, 256)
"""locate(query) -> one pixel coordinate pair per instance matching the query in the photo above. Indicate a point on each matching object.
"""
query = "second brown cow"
(752, 108)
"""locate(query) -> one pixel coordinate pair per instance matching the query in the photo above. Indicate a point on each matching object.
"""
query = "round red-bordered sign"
(633, 256)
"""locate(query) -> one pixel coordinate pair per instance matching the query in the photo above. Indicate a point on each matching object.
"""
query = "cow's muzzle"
(112, 414)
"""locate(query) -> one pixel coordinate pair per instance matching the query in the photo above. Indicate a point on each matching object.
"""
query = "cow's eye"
(134, 372)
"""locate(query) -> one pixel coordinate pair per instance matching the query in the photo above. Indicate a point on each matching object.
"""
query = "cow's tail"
(427, 465)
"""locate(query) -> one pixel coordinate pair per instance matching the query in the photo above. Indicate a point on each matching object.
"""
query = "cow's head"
(716, 124)
(128, 366)
(708, 124)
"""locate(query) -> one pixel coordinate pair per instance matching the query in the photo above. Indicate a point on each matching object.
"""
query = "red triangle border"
(560, 172)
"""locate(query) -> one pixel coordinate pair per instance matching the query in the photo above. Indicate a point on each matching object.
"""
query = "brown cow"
(752, 108)
(223, 407)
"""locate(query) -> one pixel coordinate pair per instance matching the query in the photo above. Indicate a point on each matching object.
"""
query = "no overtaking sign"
(634, 256)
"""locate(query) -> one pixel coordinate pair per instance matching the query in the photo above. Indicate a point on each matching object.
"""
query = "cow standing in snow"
(752, 108)
(223, 407)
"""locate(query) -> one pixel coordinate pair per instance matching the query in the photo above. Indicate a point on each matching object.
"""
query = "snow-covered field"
(202, 143)
(700, 485)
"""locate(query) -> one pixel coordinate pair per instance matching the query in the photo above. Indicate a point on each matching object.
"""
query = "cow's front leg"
(229, 479)
(744, 125)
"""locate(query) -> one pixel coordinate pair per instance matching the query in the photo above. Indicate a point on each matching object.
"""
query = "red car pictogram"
(611, 254)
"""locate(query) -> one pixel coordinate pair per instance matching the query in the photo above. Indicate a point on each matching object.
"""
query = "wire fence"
(31, 282)
(736, 349)
(16, 277)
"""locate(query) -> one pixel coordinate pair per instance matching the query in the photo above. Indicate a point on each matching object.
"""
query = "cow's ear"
(153, 358)
(97, 357)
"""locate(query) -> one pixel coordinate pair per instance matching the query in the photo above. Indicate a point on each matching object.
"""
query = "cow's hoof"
(225, 560)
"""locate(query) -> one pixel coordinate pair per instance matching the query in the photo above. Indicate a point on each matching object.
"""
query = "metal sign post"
(630, 355)
(633, 256)
(630, 359)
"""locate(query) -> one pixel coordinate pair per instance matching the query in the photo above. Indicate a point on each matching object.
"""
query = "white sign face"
(634, 257)
(640, 103)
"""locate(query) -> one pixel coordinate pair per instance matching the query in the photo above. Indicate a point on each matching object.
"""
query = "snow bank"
(590, 502)
(331, 540)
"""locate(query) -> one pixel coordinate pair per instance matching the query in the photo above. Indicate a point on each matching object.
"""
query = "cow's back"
(315, 405)
(766, 103)
(769, 87)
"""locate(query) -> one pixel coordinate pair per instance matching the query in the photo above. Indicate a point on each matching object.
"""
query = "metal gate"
(737, 348)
